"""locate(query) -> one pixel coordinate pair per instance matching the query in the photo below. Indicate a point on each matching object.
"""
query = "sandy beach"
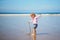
(15, 27)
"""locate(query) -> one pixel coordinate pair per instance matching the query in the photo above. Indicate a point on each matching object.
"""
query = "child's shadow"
(42, 34)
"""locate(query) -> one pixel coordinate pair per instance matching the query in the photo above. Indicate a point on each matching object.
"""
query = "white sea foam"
(28, 14)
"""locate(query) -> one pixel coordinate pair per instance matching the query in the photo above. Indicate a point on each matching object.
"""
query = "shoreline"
(28, 14)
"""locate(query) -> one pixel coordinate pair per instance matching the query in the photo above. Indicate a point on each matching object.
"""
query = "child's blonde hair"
(32, 15)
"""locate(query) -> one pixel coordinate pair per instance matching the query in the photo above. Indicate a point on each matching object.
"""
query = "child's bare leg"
(34, 34)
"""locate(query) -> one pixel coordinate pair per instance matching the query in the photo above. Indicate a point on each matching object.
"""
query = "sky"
(29, 5)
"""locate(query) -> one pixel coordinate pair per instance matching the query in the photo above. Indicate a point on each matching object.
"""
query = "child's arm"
(39, 15)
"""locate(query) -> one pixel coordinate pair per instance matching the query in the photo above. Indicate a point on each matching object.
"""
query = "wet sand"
(16, 28)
